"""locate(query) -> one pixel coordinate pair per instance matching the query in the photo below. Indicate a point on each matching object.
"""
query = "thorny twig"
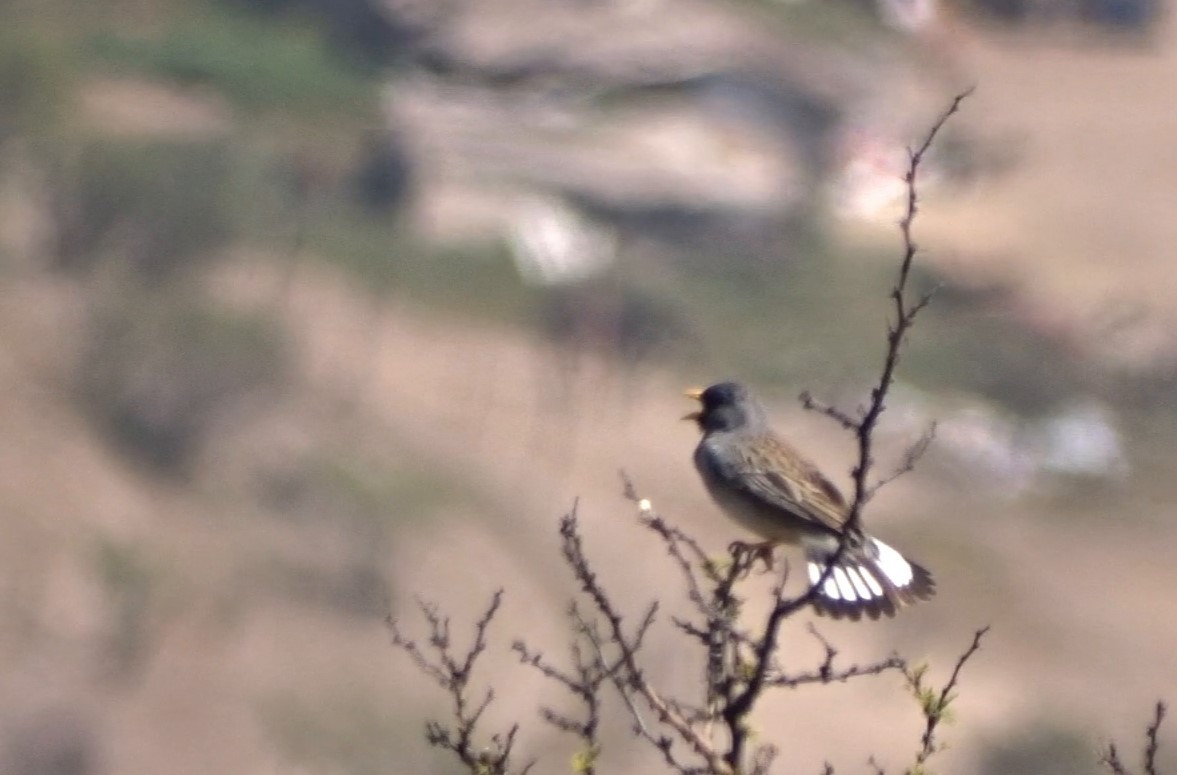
(935, 704)
(906, 311)
(1111, 757)
(661, 742)
(825, 672)
(910, 458)
(1150, 750)
(665, 711)
(589, 674)
(739, 664)
(863, 427)
(453, 674)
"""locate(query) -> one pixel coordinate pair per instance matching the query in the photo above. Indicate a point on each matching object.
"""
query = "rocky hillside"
(294, 337)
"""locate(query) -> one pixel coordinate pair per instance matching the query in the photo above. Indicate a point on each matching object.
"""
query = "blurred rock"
(987, 443)
(484, 155)
(1081, 440)
(552, 244)
(638, 114)
(993, 446)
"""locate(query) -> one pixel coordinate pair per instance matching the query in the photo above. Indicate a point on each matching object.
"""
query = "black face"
(726, 406)
(722, 394)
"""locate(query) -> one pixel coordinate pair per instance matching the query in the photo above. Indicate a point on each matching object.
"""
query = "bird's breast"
(722, 478)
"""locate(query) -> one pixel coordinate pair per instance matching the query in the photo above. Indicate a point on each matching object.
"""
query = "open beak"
(697, 394)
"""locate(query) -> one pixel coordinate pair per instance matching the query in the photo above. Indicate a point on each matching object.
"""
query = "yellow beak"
(697, 394)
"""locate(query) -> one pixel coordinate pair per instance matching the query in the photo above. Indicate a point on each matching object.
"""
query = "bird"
(769, 488)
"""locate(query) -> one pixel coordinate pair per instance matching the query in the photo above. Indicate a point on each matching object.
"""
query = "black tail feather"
(871, 579)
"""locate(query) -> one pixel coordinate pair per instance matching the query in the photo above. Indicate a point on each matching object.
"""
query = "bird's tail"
(869, 578)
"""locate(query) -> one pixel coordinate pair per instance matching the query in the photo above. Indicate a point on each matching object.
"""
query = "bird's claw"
(745, 555)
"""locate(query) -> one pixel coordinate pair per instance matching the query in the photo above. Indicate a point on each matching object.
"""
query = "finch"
(768, 487)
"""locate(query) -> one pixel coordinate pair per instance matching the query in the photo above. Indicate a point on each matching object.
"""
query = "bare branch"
(585, 684)
(740, 705)
(905, 314)
(453, 674)
(1150, 750)
(934, 705)
(837, 415)
(906, 310)
(839, 676)
(675, 540)
(1111, 757)
(910, 458)
(666, 713)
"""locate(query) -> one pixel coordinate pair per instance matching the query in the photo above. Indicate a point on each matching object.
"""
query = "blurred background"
(314, 306)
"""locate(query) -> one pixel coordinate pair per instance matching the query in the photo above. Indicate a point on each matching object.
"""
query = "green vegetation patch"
(259, 63)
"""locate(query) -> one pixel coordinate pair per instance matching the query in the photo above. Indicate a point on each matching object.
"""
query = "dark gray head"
(727, 406)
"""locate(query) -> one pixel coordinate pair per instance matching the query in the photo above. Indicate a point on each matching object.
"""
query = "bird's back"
(767, 486)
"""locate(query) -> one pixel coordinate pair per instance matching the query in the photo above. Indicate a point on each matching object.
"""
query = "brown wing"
(774, 472)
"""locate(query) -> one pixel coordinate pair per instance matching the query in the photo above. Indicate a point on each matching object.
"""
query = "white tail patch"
(850, 583)
(891, 563)
(856, 577)
(831, 588)
(844, 585)
(870, 579)
(873, 583)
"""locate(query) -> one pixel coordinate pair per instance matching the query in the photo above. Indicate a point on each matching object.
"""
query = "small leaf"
(585, 759)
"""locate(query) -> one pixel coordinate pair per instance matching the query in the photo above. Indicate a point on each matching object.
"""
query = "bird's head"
(725, 406)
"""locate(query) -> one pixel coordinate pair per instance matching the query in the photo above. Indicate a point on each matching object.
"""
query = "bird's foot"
(745, 555)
